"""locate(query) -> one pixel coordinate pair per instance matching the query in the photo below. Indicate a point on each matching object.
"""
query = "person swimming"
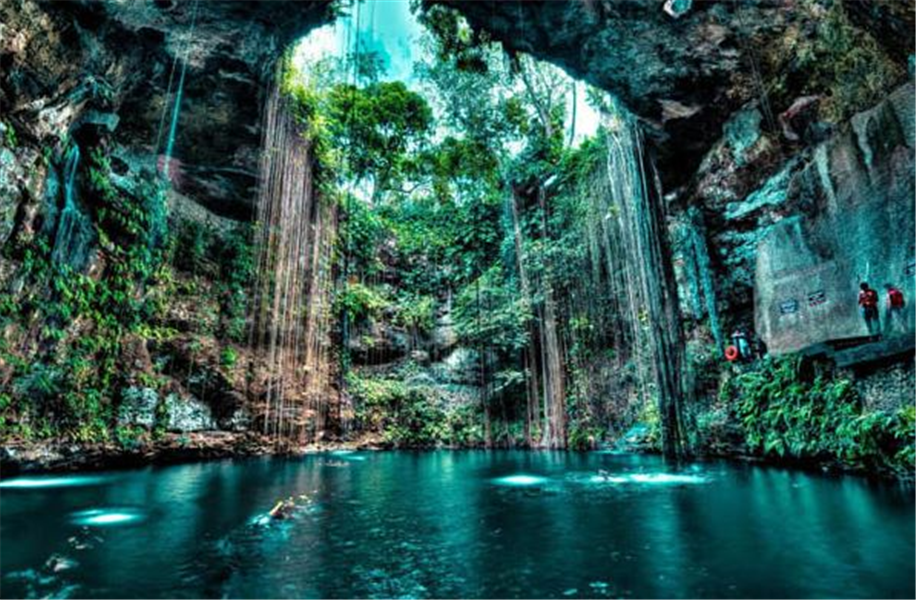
(284, 509)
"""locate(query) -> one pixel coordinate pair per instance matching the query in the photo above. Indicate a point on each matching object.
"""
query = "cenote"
(460, 524)
(585, 282)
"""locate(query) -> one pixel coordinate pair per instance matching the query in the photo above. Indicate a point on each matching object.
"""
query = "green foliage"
(416, 312)
(409, 415)
(228, 357)
(650, 417)
(9, 135)
(194, 245)
(582, 439)
(129, 438)
(71, 385)
(362, 233)
(236, 267)
(41, 383)
(785, 412)
(360, 302)
(378, 125)
(225, 258)
(491, 311)
(403, 415)
(455, 40)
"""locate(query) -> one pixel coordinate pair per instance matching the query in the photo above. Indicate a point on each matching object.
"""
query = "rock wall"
(66, 64)
(684, 66)
(886, 388)
(849, 218)
(766, 209)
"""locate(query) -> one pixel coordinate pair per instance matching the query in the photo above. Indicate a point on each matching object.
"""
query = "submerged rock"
(57, 563)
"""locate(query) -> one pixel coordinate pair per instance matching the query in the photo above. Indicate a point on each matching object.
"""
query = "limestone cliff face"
(117, 65)
(685, 67)
(789, 231)
(851, 219)
(769, 205)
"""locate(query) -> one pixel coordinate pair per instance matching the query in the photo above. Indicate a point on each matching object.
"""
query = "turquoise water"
(456, 524)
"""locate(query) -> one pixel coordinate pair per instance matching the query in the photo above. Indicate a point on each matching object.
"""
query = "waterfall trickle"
(553, 374)
(291, 297)
(529, 358)
(74, 231)
(543, 360)
(176, 103)
(635, 202)
(635, 311)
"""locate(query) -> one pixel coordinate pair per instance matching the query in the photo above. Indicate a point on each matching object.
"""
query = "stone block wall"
(853, 221)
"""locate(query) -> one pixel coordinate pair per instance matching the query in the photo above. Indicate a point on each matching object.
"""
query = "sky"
(385, 26)
(388, 28)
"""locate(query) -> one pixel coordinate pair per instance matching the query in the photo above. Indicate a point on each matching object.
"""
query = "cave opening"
(406, 228)
(444, 285)
(484, 245)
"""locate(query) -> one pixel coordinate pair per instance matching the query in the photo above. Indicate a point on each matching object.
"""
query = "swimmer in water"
(284, 509)
(606, 475)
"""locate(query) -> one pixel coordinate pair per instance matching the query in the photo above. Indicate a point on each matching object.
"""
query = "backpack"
(869, 298)
(895, 298)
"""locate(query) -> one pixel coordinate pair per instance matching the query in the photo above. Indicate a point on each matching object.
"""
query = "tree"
(378, 126)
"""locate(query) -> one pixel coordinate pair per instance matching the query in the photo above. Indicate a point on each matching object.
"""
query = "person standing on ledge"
(868, 306)
(739, 339)
(894, 318)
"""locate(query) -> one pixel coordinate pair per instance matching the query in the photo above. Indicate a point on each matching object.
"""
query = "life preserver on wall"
(731, 353)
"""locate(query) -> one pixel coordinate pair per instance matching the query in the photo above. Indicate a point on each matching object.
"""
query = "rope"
(165, 105)
(348, 208)
(176, 109)
(755, 70)
(168, 93)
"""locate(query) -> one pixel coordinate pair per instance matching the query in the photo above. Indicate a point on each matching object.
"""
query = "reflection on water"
(98, 516)
(458, 524)
(646, 478)
(24, 483)
(520, 480)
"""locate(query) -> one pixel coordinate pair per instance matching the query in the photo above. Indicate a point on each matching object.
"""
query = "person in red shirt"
(868, 307)
(895, 318)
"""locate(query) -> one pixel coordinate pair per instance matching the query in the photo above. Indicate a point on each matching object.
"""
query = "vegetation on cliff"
(79, 340)
(500, 277)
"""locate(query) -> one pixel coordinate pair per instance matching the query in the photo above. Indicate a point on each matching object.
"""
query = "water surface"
(456, 524)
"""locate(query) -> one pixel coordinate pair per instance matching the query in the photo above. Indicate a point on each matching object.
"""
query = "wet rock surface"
(83, 65)
(886, 387)
(49, 456)
(852, 221)
(684, 67)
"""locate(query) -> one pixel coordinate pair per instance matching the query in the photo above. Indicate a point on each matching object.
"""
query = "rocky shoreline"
(58, 456)
(53, 456)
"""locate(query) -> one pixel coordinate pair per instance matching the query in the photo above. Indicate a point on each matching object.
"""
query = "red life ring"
(731, 354)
